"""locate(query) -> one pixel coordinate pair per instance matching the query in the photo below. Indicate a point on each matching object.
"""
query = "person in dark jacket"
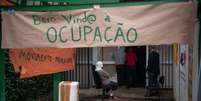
(153, 70)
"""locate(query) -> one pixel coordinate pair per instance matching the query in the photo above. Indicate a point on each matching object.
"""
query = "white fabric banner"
(112, 26)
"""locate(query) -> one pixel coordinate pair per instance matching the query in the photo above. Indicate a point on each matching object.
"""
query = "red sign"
(38, 61)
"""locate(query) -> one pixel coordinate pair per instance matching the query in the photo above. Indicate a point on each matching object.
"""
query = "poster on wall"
(183, 73)
(39, 61)
(154, 24)
(176, 53)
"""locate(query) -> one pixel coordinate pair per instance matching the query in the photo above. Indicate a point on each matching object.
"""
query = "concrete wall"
(176, 75)
(176, 82)
(179, 92)
(199, 66)
(108, 60)
(195, 66)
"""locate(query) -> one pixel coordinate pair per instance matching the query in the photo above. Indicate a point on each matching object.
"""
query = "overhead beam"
(81, 1)
(73, 7)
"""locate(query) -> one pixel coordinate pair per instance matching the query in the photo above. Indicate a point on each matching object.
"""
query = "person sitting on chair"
(106, 80)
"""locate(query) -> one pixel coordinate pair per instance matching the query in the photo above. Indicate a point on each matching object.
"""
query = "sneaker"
(111, 96)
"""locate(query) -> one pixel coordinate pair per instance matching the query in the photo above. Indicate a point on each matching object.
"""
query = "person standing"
(119, 58)
(153, 70)
(131, 60)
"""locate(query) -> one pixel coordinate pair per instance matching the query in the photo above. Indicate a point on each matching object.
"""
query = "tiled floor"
(123, 94)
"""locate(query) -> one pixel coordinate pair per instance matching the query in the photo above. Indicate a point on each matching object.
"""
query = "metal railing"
(82, 71)
(166, 64)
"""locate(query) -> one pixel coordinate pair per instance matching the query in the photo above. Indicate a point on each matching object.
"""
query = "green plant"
(30, 89)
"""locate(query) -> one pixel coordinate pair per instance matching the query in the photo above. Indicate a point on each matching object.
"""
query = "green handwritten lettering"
(107, 18)
(36, 19)
(87, 30)
(72, 34)
(67, 18)
(91, 18)
(119, 34)
(60, 33)
(108, 40)
(54, 34)
(97, 34)
(130, 31)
